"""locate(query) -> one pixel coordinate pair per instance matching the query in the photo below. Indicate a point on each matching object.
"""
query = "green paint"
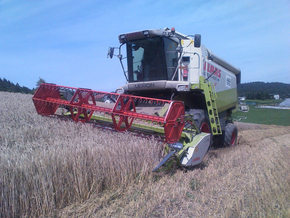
(226, 99)
(266, 116)
(210, 99)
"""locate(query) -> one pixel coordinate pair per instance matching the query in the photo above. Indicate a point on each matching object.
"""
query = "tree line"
(7, 86)
(263, 91)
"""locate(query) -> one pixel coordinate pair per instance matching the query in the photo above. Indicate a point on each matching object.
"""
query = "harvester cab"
(176, 89)
(154, 56)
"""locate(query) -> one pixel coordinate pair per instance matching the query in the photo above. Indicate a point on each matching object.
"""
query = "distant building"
(242, 98)
(276, 97)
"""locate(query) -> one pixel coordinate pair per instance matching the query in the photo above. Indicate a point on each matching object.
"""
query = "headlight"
(182, 88)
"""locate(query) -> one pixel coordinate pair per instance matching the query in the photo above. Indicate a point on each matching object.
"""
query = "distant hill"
(262, 90)
(7, 86)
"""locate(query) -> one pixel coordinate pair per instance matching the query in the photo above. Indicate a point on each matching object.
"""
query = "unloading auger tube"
(83, 105)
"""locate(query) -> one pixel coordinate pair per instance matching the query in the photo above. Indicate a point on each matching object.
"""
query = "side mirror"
(197, 40)
(110, 52)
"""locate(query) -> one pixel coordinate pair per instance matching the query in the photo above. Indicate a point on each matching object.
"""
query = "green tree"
(39, 82)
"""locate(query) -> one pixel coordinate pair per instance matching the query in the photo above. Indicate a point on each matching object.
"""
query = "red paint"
(195, 159)
(210, 69)
(47, 100)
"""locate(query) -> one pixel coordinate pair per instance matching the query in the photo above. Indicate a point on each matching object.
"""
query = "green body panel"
(226, 99)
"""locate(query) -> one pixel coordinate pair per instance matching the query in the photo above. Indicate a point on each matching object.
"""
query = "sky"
(66, 42)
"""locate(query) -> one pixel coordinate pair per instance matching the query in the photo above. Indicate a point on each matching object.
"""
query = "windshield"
(151, 59)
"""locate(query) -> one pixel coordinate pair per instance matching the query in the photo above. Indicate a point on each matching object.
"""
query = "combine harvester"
(176, 89)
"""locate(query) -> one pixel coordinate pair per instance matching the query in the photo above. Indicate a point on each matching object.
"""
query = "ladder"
(210, 99)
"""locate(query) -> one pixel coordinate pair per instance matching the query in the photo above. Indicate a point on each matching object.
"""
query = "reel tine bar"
(82, 105)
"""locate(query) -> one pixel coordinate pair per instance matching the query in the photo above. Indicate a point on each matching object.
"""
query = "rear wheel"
(231, 134)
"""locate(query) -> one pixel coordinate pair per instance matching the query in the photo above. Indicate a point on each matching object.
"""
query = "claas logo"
(210, 69)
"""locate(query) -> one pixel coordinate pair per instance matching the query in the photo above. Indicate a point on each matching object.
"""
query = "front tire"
(201, 120)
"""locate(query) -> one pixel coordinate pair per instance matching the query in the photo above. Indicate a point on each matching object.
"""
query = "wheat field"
(55, 168)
